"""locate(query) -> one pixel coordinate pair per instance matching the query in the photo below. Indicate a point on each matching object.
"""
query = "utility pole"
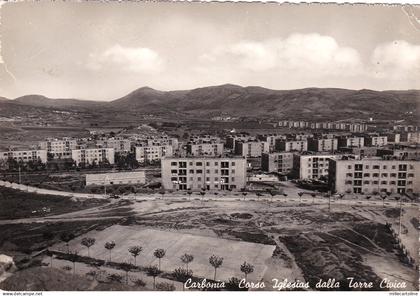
(20, 177)
(399, 227)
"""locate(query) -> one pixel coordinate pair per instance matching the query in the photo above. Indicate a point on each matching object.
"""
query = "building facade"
(87, 156)
(252, 148)
(350, 142)
(370, 176)
(153, 153)
(119, 145)
(376, 141)
(289, 146)
(203, 173)
(137, 177)
(311, 166)
(202, 149)
(25, 155)
(59, 148)
(280, 162)
(323, 145)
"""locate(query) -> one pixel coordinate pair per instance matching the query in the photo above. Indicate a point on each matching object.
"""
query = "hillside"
(42, 101)
(250, 101)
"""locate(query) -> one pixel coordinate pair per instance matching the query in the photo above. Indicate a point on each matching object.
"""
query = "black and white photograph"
(156, 146)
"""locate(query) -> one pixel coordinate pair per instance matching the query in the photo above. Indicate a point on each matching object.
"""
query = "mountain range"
(245, 101)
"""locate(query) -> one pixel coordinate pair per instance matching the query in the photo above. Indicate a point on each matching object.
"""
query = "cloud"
(303, 53)
(396, 60)
(129, 59)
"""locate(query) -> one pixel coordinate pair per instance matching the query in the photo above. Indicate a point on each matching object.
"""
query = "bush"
(165, 287)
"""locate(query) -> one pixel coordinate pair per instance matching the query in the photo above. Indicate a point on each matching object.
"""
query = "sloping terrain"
(248, 101)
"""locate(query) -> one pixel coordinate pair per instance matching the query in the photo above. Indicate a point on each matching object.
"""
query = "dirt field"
(176, 244)
(293, 241)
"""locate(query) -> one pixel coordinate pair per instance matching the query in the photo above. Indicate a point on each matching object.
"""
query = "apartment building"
(204, 173)
(323, 145)
(203, 149)
(280, 162)
(93, 155)
(251, 148)
(288, 146)
(411, 137)
(394, 138)
(25, 155)
(361, 152)
(375, 140)
(349, 142)
(232, 140)
(374, 176)
(59, 148)
(405, 154)
(271, 139)
(137, 177)
(163, 141)
(312, 166)
(153, 153)
(119, 144)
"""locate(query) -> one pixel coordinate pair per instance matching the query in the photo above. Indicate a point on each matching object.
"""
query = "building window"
(366, 175)
(174, 163)
(376, 167)
(199, 171)
(199, 163)
(358, 167)
(233, 163)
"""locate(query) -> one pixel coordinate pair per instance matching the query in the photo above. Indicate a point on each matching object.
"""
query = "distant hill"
(250, 101)
(42, 101)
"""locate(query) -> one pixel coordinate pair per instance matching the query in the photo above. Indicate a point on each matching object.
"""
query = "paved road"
(291, 197)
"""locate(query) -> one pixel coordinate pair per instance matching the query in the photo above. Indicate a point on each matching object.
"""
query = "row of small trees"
(181, 274)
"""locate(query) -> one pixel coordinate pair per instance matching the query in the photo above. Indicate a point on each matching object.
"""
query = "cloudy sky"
(102, 51)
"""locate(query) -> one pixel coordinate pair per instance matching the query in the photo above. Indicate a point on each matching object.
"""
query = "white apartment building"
(119, 145)
(152, 153)
(288, 146)
(323, 145)
(93, 155)
(374, 176)
(205, 149)
(59, 148)
(203, 173)
(251, 149)
(164, 141)
(350, 142)
(25, 155)
(375, 141)
(312, 166)
(280, 162)
(137, 177)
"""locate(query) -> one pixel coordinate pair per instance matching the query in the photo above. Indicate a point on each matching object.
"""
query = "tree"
(153, 271)
(162, 192)
(313, 194)
(247, 268)
(67, 237)
(88, 242)
(127, 268)
(135, 251)
(182, 275)
(202, 193)
(109, 246)
(73, 258)
(233, 285)
(159, 253)
(383, 196)
(187, 258)
(272, 193)
(216, 262)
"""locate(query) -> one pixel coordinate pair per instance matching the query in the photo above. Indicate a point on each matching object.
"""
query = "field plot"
(177, 244)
